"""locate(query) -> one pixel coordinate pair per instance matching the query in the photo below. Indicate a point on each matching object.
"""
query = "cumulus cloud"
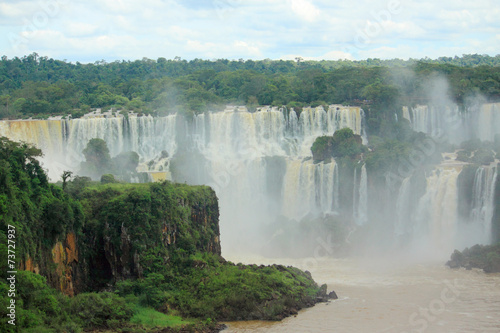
(314, 29)
(305, 10)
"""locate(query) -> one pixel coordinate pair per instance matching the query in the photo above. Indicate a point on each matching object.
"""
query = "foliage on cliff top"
(343, 143)
(144, 210)
(98, 161)
(475, 151)
(204, 286)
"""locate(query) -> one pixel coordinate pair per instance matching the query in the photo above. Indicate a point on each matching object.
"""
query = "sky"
(94, 30)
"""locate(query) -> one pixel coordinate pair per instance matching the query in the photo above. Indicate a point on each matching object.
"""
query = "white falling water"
(80, 131)
(314, 122)
(482, 210)
(310, 187)
(488, 123)
(437, 216)
(149, 136)
(238, 150)
(444, 122)
(447, 122)
(361, 209)
(403, 224)
(406, 113)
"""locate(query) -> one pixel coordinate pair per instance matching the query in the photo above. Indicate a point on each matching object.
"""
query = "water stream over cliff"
(480, 121)
(260, 165)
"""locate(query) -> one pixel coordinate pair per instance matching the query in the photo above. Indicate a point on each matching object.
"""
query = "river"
(389, 295)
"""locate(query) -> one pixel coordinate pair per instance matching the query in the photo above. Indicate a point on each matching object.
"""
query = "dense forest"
(37, 86)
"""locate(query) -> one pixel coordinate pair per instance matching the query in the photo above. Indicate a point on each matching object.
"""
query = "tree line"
(36, 86)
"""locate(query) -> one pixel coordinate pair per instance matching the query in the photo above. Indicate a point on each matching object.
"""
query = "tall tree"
(97, 159)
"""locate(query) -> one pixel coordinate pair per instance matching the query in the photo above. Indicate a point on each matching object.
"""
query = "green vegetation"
(40, 212)
(40, 308)
(39, 87)
(485, 257)
(477, 152)
(343, 143)
(97, 159)
(204, 286)
(149, 317)
(99, 164)
(153, 247)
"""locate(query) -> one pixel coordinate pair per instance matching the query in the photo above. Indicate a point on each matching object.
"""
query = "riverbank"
(390, 296)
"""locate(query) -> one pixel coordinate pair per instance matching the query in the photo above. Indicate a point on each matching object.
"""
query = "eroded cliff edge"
(125, 246)
(127, 229)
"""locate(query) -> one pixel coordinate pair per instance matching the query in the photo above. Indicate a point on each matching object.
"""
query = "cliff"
(154, 246)
(126, 228)
(485, 257)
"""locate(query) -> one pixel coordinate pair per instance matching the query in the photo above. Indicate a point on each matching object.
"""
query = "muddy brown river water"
(390, 296)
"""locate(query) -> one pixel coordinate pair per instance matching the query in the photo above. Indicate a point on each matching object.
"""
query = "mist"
(276, 201)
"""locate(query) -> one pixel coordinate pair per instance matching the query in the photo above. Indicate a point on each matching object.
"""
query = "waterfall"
(48, 135)
(360, 197)
(488, 121)
(310, 188)
(449, 123)
(437, 217)
(444, 121)
(403, 223)
(260, 165)
(482, 210)
(82, 130)
(149, 136)
(406, 113)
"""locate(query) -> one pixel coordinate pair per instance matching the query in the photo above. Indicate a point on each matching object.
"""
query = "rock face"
(323, 296)
(65, 256)
(128, 228)
(483, 257)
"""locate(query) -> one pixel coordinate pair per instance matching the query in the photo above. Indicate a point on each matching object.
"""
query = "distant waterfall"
(360, 197)
(444, 122)
(310, 188)
(403, 224)
(488, 121)
(447, 122)
(363, 197)
(48, 135)
(437, 215)
(483, 193)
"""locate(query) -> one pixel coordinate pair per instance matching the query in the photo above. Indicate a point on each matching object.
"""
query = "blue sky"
(92, 30)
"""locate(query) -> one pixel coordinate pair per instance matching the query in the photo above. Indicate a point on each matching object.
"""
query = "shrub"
(100, 310)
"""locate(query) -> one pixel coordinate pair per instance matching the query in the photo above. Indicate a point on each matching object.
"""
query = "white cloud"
(315, 29)
(75, 29)
(402, 29)
(305, 10)
(13, 10)
(234, 50)
(251, 50)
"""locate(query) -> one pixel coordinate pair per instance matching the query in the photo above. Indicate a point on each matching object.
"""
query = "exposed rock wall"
(114, 246)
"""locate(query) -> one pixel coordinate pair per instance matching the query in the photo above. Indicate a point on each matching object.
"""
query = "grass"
(149, 317)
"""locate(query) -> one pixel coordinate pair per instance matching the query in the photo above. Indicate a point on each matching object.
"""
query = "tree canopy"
(343, 143)
(38, 86)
